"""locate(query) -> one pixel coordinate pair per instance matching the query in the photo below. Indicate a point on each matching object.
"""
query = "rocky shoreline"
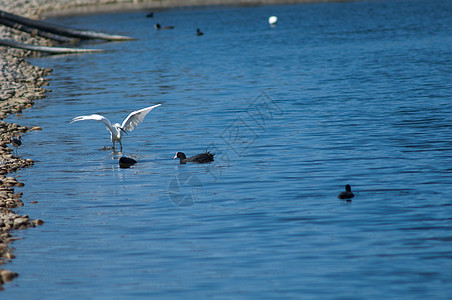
(21, 84)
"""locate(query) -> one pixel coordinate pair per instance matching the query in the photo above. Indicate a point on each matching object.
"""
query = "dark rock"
(8, 275)
(126, 162)
(38, 222)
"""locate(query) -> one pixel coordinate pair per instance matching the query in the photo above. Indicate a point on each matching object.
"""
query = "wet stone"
(38, 222)
(8, 275)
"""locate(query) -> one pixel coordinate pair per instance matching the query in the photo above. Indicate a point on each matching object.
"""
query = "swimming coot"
(199, 158)
(347, 194)
(158, 27)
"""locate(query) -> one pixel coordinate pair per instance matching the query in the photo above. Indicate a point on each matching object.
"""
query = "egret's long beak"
(123, 130)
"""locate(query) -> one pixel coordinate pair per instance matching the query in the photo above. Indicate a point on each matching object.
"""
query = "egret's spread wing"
(136, 117)
(96, 118)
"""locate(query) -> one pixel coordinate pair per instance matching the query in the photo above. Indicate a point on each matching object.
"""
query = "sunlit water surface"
(337, 93)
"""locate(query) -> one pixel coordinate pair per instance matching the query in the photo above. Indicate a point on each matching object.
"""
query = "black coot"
(199, 158)
(347, 194)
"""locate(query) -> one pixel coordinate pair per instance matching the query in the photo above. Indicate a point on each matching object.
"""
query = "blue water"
(337, 93)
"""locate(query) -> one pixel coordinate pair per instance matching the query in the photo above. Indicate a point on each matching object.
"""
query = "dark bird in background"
(199, 32)
(199, 158)
(16, 142)
(150, 15)
(158, 26)
(348, 195)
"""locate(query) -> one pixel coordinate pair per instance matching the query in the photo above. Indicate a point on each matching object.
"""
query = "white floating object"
(272, 20)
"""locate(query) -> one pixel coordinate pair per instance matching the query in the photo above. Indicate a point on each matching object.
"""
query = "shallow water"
(336, 93)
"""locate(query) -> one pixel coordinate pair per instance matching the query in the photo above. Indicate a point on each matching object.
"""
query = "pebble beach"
(22, 84)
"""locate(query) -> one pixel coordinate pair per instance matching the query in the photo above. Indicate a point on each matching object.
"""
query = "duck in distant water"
(348, 195)
(199, 158)
(150, 15)
(199, 32)
(158, 26)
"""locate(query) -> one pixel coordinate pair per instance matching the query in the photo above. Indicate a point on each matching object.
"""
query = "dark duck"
(201, 158)
(348, 194)
(158, 27)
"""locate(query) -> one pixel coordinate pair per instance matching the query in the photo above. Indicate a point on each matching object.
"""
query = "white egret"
(129, 124)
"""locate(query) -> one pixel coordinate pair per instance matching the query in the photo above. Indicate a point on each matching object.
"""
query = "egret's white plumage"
(129, 124)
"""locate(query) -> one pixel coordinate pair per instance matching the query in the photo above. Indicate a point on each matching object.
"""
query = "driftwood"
(34, 31)
(61, 30)
(53, 50)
